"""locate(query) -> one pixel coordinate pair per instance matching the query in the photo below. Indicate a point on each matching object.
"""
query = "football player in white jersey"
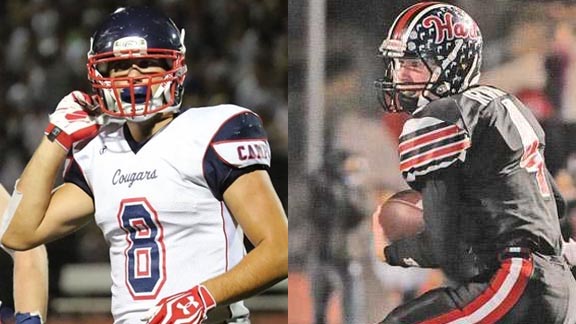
(30, 278)
(173, 191)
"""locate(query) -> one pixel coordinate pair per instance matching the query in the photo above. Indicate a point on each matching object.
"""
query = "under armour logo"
(103, 149)
(191, 302)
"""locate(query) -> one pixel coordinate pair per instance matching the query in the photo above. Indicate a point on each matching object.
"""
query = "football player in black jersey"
(182, 258)
(475, 152)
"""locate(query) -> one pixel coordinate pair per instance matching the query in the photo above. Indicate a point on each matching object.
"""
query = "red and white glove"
(188, 307)
(71, 121)
(569, 252)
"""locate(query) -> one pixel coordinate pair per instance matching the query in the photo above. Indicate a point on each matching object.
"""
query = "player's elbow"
(17, 242)
(278, 248)
(283, 263)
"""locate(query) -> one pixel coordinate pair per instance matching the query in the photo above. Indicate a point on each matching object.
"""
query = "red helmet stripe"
(406, 17)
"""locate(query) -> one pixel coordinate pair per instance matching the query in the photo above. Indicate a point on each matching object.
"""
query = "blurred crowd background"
(529, 50)
(236, 53)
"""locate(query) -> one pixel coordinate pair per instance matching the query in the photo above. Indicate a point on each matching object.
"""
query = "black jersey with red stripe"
(477, 158)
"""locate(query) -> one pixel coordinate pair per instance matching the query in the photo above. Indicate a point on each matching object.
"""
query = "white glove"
(569, 252)
(73, 120)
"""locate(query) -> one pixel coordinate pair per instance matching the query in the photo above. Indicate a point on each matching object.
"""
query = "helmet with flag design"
(441, 37)
(144, 39)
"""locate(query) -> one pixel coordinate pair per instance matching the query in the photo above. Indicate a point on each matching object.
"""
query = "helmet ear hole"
(443, 88)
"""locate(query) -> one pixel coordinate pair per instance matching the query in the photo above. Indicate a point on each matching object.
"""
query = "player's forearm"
(35, 186)
(31, 281)
(264, 266)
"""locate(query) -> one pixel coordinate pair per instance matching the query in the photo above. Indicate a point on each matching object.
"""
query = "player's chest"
(152, 190)
(158, 165)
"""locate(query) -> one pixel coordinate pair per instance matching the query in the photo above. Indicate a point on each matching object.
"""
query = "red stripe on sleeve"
(428, 138)
(435, 154)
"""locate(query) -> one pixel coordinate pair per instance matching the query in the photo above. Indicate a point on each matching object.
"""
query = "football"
(401, 215)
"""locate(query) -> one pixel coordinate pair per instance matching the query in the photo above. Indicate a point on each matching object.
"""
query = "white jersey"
(159, 203)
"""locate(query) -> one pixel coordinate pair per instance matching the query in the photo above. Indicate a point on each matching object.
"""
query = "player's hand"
(186, 307)
(569, 252)
(72, 120)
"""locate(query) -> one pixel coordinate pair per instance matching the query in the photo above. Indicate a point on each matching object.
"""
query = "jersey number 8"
(145, 265)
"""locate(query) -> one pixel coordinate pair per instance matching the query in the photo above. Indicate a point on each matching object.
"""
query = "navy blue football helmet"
(443, 37)
(145, 37)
